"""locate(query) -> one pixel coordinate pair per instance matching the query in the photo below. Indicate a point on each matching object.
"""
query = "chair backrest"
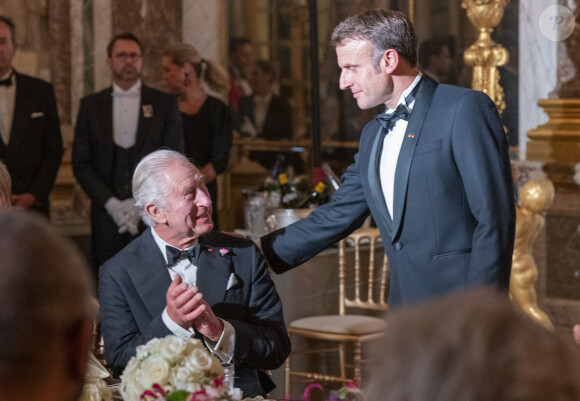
(369, 281)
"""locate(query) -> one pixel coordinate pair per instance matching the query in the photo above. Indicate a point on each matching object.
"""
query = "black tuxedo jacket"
(454, 201)
(133, 285)
(34, 151)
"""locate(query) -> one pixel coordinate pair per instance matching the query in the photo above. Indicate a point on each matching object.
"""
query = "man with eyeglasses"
(116, 128)
(30, 138)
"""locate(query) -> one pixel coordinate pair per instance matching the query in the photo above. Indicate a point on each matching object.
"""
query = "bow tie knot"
(174, 255)
(387, 121)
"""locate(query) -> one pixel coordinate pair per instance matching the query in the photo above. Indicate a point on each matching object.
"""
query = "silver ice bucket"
(279, 218)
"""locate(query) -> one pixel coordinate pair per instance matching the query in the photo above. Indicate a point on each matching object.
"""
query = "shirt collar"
(135, 89)
(162, 243)
(405, 94)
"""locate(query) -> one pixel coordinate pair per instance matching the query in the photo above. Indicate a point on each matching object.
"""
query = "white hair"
(151, 184)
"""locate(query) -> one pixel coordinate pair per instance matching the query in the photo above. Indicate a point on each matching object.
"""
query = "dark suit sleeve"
(93, 185)
(481, 152)
(293, 245)
(52, 149)
(261, 338)
(173, 136)
(119, 325)
(221, 124)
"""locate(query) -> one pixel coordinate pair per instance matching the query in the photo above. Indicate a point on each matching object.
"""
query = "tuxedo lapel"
(148, 273)
(374, 177)
(105, 118)
(422, 102)
(21, 109)
(213, 272)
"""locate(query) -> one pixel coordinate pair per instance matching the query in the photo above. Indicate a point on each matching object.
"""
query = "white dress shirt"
(7, 99)
(392, 147)
(224, 347)
(126, 114)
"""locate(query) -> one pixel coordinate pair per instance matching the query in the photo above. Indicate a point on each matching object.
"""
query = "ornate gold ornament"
(535, 198)
(485, 55)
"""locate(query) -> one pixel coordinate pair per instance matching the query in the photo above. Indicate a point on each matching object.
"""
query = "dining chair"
(362, 287)
(97, 344)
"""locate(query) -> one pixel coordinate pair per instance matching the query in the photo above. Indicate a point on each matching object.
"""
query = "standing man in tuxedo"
(433, 171)
(31, 142)
(115, 128)
(180, 277)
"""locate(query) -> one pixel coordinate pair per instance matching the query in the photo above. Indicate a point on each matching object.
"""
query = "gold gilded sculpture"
(534, 199)
(485, 55)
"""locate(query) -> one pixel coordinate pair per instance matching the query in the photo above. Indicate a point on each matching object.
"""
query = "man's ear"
(156, 213)
(390, 61)
(79, 348)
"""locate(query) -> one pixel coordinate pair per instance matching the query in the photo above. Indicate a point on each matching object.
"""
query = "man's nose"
(344, 82)
(203, 200)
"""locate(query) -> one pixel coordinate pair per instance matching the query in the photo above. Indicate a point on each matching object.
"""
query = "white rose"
(154, 369)
(130, 372)
(143, 351)
(179, 374)
(199, 359)
(172, 347)
(130, 391)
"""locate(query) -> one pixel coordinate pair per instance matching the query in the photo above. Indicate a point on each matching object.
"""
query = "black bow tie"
(388, 120)
(174, 255)
(7, 81)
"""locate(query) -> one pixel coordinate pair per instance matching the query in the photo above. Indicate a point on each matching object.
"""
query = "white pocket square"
(231, 281)
(36, 114)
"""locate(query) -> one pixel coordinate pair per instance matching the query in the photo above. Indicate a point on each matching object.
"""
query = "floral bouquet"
(173, 369)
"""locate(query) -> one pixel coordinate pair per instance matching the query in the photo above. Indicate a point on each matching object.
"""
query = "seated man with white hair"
(180, 277)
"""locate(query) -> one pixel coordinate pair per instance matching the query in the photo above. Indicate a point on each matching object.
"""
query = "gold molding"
(485, 55)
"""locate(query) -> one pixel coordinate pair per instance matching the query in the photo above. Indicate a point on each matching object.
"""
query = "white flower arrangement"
(169, 365)
(96, 389)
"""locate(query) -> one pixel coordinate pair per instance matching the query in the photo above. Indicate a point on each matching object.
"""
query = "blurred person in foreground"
(207, 126)
(46, 313)
(472, 346)
(433, 170)
(180, 277)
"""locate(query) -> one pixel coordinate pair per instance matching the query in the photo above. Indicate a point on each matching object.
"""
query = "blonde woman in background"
(206, 119)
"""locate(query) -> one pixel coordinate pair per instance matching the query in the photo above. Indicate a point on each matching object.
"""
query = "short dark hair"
(431, 47)
(237, 42)
(123, 36)
(8, 21)
(384, 29)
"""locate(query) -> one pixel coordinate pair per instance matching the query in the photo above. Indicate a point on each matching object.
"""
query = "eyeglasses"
(127, 56)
